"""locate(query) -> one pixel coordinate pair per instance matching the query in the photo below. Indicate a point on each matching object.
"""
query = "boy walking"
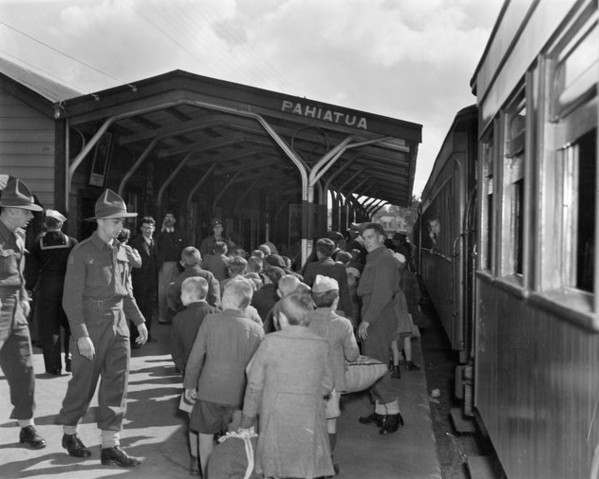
(185, 329)
(339, 333)
(215, 372)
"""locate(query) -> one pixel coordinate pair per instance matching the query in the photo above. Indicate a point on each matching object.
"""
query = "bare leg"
(407, 347)
(206, 446)
(395, 352)
(194, 464)
(193, 444)
(332, 430)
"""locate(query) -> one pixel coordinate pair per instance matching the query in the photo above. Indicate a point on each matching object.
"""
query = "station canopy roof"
(234, 128)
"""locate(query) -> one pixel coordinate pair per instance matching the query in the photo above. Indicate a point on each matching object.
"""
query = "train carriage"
(533, 307)
(446, 234)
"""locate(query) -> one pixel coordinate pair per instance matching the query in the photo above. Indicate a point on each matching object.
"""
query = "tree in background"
(398, 218)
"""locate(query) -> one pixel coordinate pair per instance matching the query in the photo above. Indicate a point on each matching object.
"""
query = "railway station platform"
(156, 431)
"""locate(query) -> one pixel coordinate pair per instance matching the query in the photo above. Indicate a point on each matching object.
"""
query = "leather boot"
(74, 446)
(392, 424)
(377, 419)
(29, 436)
(116, 455)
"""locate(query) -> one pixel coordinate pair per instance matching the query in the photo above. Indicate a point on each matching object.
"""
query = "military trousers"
(16, 356)
(377, 346)
(109, 333)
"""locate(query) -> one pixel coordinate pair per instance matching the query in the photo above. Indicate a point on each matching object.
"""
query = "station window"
(570, 168)
(512, 261)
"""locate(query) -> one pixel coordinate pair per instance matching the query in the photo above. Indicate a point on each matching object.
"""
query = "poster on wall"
(102, 154)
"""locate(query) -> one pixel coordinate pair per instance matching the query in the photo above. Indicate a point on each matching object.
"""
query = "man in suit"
(169, 245)
(145, 279)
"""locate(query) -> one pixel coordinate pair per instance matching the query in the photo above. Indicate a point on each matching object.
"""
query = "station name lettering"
(325, 115)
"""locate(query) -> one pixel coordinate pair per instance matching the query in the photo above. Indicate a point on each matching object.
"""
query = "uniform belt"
(102, 303)
(8, 291)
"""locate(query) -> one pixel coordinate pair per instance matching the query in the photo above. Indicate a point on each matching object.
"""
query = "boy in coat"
(215, 373)
(185, 329)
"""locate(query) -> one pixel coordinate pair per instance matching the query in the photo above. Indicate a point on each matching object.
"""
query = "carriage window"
(577, 162)
(513, 191)
(569, 170)
(487, 206)
(575, 79)
(585, 155)
(575, 112)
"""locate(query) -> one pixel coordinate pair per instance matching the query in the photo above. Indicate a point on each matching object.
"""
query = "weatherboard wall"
(27, 139)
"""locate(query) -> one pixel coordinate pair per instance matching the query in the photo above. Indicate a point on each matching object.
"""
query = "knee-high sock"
(392, 407)
(332, 441)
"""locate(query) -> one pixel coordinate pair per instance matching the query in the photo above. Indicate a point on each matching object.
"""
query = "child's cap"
(399, 257)
(288, 284)
(322, 284)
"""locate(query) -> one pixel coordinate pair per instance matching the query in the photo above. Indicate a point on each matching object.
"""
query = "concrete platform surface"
(156, 431)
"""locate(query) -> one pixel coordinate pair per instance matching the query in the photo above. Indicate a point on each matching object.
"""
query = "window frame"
(510, 170)
(558, 135)
(487, 226)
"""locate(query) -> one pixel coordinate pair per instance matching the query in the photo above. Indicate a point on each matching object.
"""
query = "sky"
(407, 59)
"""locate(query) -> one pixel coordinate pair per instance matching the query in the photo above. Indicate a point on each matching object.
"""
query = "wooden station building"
(269, 165)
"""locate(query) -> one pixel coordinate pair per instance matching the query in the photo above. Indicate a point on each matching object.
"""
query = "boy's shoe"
(396, 374)
(412, 366)
(194, 466)
(376, 419)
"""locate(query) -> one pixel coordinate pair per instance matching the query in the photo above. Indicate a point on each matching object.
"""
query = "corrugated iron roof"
(48, 89)
(197, 120)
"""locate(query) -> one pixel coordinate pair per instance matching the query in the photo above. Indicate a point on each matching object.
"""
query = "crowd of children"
(275, 347)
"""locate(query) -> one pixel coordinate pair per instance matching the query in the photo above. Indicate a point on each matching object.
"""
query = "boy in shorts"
(215, 373)
(339, 333)
(185, 329)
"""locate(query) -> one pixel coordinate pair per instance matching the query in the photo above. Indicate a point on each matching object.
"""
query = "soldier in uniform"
(98, 300)
(381, 303)
(16, 206)
(47, 267)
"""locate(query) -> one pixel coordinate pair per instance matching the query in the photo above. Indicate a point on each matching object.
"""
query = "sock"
(70, 429)
(392, 407)
(379, 408)
(25, 422)
(332, 441)
(110, 439)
